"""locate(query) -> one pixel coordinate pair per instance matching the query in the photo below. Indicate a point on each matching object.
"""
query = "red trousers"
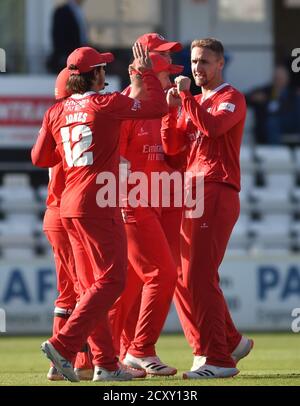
(203, 245)
(171, 221)
(128, 332)
(126, 312)
(150, 257)
(104, 243)
(67, 283)
(66, 278)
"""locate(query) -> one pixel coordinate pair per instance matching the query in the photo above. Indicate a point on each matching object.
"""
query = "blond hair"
(209, 43)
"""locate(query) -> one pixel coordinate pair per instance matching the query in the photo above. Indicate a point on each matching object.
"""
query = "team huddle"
(119, 266)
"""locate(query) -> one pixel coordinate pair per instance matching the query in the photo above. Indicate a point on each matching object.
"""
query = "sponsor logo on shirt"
(142, 132)
(136, 105)
(76, 105)
(155, 152)
(227, 106)
(152, 148)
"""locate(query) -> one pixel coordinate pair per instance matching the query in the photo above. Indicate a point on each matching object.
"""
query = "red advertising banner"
(23, 110)
(24, 100)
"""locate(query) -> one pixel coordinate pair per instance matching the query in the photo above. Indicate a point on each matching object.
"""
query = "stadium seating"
(270, 202)
(248, 164)
(21, 254)
(274, 158)
(270, 199)
(16, 194)
(297, 158)
(239, 242)
(271, 233)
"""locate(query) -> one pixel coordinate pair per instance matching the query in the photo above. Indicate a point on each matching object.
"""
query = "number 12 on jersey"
(82, 137)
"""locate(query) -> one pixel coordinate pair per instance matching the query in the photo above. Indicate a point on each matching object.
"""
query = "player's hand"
(134, 75)
(183, 83)
(142, 59)
(173, 98)
(132, 70)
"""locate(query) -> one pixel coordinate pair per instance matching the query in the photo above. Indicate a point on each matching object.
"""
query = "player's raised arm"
(142, 61)
(172, 138)
(231, 110)
(123, 107)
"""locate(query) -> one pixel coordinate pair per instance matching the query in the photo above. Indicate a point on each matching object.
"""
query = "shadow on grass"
(269, 376)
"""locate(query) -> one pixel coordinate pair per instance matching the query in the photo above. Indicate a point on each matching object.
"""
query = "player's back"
(87, 137)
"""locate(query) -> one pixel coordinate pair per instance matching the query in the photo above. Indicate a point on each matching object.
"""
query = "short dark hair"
(81, 83)
(209, 43)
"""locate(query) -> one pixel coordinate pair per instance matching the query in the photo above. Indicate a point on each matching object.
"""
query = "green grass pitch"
(275, 360)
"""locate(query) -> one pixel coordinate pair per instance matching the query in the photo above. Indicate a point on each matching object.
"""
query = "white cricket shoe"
(62, 365)
(243, 349)
(210, 372)
(102, 374)
(152, 365)
(54, 375)
(198, 361)
(84, 374)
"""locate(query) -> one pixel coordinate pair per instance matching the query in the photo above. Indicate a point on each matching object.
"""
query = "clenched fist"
(182, 83)
(173, 98)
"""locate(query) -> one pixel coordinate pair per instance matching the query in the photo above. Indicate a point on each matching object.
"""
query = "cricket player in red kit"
(85, 130)
(152, 259)
(169, 219)
(156, 43)
(210, 128)
(67, 283)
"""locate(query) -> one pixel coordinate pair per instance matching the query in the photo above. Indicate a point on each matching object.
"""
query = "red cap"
(156, 42)
(161, 64)
(87, 58)
(61, 84)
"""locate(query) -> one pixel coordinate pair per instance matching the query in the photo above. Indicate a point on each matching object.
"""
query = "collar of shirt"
(81, 96)
(212, 92)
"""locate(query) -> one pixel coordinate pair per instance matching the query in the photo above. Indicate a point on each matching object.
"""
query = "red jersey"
(140, 143)
(212, 130)
(85, 129)
(56, 186)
